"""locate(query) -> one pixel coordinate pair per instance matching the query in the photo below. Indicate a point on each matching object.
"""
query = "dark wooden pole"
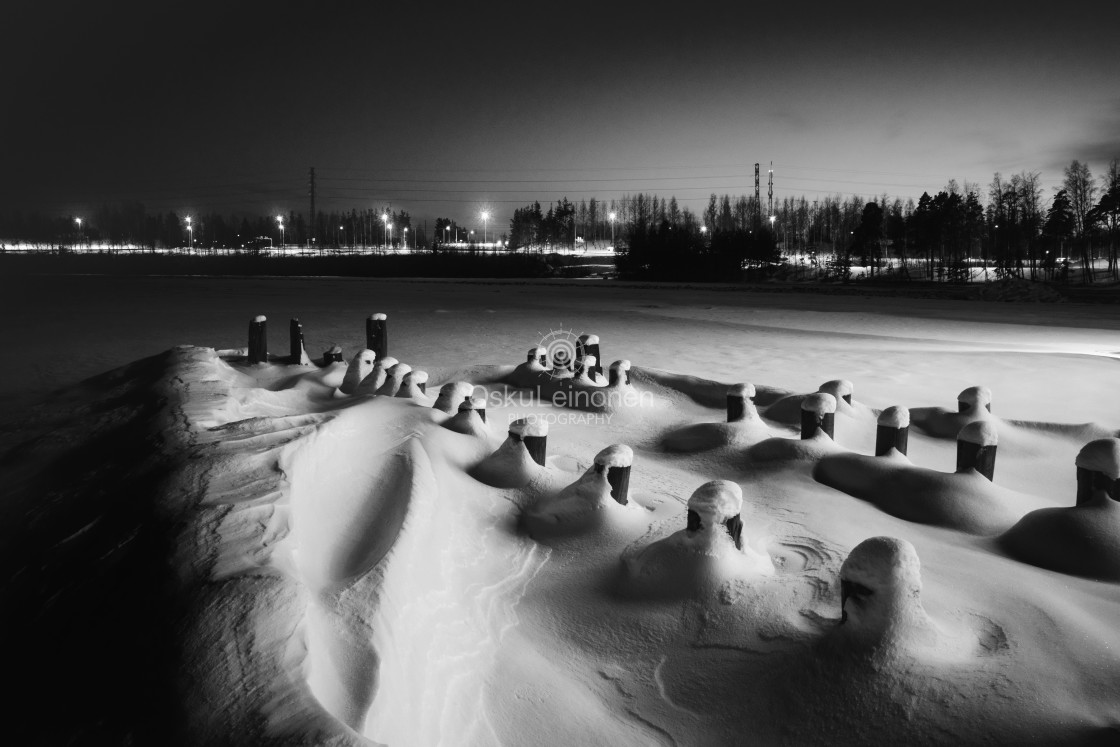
(377, 335)
(258, 340)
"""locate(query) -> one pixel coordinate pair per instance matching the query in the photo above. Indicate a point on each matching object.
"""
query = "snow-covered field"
(336, 568)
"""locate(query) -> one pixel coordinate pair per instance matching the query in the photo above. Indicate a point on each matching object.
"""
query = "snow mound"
(699, 559)
(966, 501)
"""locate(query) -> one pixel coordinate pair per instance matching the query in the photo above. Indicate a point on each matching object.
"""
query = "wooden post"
(719, 502)
(451, 394)
(976, 448)
(1098, 468)
(589, 345)
(818, 411)
(295, 341)
(377, 335)
(533, 432)
(333, 355)
(893, 431)
(841, 389)
(619, 373)
(974, 398)
(739, 402)
(258, 340)
(616, 461)
(360, 366)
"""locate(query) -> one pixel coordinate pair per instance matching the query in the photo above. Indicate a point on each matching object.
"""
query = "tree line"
(1009, 227)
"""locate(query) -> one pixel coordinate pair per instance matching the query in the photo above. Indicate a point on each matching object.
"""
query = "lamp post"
(340, 235)
(385, 230)
(190, 235)
(389, 226)
(703, 232)
(405, 238)
(79, 222)
(447, 233)
(612, 216)
(280, 222)
(485, 217)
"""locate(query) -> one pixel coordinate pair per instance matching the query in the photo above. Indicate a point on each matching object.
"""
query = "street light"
(389, 227)
(190, 235)
(280, 222)
(485, 217)
(446, 233)
(79, 222)
(385, 231)
(612, 216)
(406, 238)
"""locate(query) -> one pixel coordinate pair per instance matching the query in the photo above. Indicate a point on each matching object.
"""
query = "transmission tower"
(757, 199)
(311, 228)
(770, 191)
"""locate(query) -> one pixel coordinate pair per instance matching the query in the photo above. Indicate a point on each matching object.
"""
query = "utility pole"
(311, 228)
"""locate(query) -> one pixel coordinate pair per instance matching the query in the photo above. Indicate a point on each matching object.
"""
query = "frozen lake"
(60, 330)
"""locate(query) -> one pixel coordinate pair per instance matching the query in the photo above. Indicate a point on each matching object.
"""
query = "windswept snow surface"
(327, 568)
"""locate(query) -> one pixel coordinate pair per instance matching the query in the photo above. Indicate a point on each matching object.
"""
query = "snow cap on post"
(537, 355)
(894, 417)
(973, 398)
(717, 501)
(332, 355)
(980, 432)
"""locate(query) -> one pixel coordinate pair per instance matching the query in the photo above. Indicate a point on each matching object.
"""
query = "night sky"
(204, 106)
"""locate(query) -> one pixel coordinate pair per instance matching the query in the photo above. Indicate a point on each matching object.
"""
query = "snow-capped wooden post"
(841, 389)
(537, 354)
(258, 339)
(880, 588)
(478, 404)
(414, 382)
(818, 411)
(533, 432)
(589, 345)
(893, 431)
(1098, 468)
(451, 394)
(973, 398)
(619, 373)
(717, 502)
(360, 366)
(295, 341)
(333, 355)
(739, 402)
(585, 371)
(377, 334)
(616, 460)
(976, 448)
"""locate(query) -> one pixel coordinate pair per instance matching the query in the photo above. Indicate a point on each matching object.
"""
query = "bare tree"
(1080, 189)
